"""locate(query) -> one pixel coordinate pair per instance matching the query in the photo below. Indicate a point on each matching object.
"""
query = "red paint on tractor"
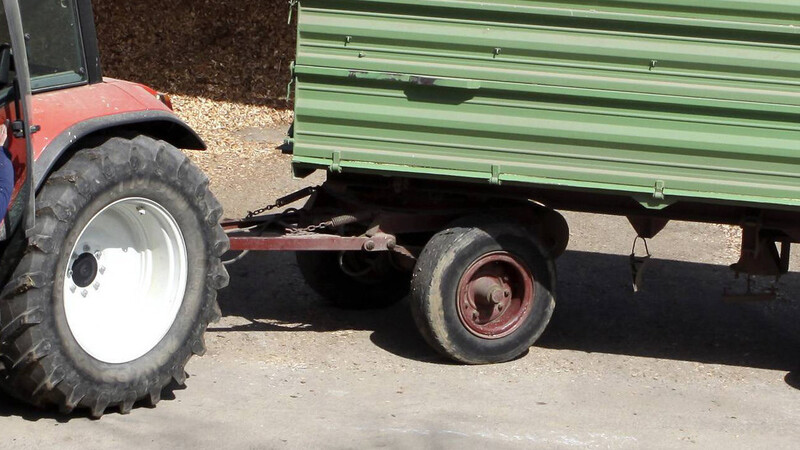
(87, 102)
(75, 105)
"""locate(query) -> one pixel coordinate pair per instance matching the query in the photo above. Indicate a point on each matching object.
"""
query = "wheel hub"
(495, 295)
(84, 270)
(125, 280)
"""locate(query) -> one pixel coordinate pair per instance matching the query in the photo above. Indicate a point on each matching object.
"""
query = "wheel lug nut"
(475, 316)
(98, 254)
(86, 248)
(84, 292)
(141, 210)
(102, 270)
(73, 288)
(96, 286)
(506, 294)
(69, 273)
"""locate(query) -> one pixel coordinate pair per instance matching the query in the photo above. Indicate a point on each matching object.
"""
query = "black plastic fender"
(160, 125)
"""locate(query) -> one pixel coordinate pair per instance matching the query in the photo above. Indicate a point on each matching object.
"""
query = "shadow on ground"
(11, 407)
(268, 290)
(680, 315)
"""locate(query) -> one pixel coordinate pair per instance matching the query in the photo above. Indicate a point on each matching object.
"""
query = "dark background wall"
(237, 51)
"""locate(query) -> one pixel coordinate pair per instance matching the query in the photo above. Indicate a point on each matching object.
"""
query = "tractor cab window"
(53, 41)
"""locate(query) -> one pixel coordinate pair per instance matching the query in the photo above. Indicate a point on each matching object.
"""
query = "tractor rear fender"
(158, 124)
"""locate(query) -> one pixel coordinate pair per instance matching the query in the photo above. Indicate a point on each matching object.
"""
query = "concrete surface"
(673, 366)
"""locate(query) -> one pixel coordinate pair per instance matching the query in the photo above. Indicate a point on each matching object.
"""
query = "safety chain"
(310, 229)
(283, 201)
(251, 214)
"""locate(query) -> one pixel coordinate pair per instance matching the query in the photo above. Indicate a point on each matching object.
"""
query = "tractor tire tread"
(34, 366)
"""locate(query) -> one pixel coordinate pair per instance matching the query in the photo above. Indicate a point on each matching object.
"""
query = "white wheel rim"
(137, 286)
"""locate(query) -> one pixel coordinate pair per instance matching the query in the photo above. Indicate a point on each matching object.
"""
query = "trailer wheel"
(554, 231)
(118, 282)
(354, 280)
(549, 226)
(483, 294)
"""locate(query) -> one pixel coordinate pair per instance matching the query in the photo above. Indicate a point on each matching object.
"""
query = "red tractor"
(111, 245)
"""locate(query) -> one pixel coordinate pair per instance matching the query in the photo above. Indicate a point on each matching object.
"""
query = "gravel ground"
(241, 139)
(226, 64)
(671, 367)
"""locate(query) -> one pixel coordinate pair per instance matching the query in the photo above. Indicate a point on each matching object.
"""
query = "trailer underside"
(398, 215)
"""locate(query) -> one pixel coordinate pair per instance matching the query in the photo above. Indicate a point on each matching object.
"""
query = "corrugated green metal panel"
(614, 95)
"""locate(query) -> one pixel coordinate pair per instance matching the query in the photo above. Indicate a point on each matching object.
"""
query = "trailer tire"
(460, 274)
(383, 287)
(59, 351)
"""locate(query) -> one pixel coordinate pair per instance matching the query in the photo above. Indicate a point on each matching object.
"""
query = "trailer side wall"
(663, 100)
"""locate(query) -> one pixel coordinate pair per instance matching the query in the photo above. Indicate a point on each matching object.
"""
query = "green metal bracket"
(658, 200)
(495, 179)
(651, 203)
(658, 193)
(336, 165)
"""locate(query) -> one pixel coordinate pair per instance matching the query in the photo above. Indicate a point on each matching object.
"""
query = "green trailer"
(452, 131)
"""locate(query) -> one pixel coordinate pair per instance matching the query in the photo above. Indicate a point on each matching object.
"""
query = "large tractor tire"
(118, 282)
(354, 280)
(483, 294)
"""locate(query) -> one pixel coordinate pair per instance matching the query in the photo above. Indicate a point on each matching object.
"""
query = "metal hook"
(638, 264)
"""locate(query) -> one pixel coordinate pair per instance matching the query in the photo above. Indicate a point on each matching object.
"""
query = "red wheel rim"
(495, 295)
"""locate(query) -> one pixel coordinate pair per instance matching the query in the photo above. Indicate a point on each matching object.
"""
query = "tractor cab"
(55, 99)
(44, 46)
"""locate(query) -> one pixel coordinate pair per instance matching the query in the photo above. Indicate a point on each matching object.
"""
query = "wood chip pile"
(226, 64)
